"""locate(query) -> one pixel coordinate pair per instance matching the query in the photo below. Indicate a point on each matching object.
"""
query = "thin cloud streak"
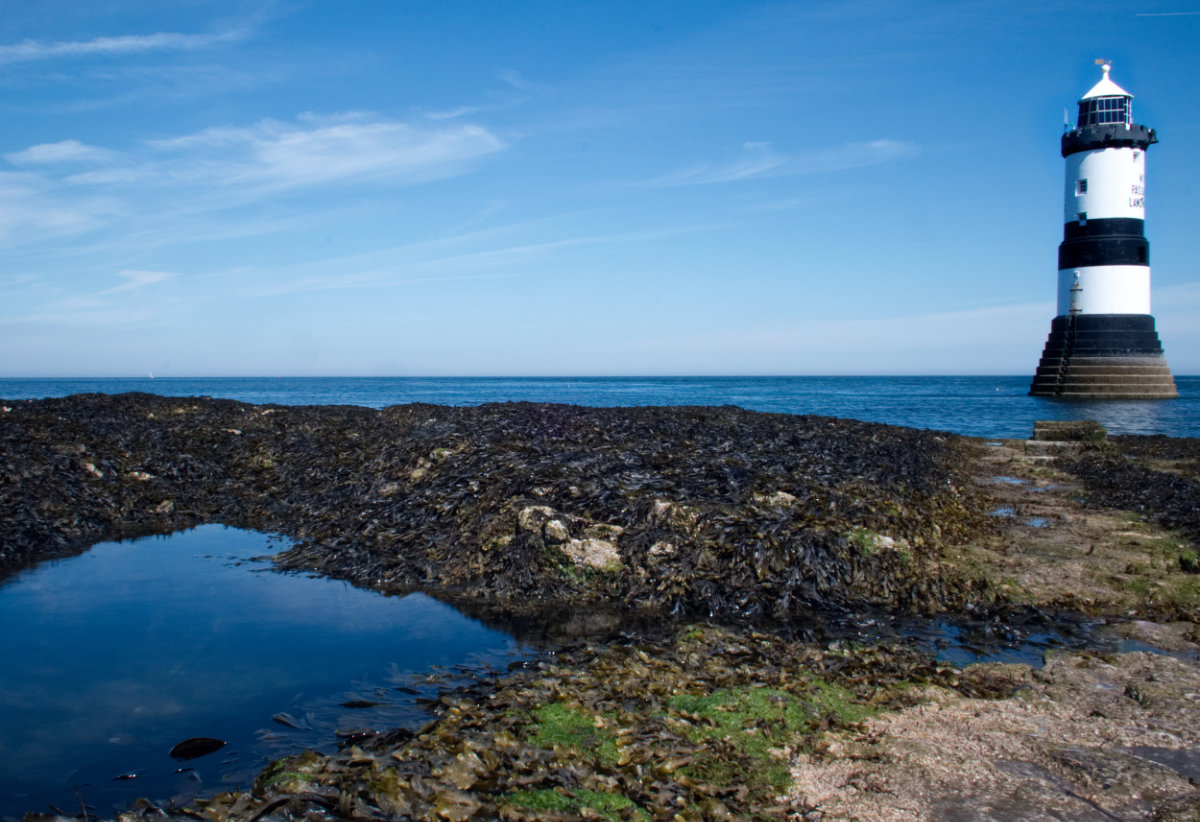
(760, 161)
(136, 280)
(274, 155)
(64, 151)
(28, 50)
(387, 268)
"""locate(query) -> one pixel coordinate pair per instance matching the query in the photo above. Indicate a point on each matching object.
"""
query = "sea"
(978, 406)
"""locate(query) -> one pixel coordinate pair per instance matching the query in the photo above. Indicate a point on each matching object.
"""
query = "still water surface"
(976, 406)
(114, 656)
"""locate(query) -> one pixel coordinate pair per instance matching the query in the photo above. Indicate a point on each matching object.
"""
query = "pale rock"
(533, 517)
(555, 531)
(593, 553)
(603, 531)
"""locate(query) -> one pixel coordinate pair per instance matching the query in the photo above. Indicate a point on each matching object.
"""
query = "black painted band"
(1107, 135)
(1104, 251)
(1107, 227)
(1101, 335)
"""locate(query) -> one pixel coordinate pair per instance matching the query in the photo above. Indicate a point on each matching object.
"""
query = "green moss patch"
(560, 725)
(611, 806)
(761, 725)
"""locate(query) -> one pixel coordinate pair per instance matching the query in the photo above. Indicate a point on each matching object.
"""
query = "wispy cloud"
(70, 187)
(28, 50)
(850, 155)
(65, 151)
(755, 160)
(31, 209)
(514, 78)
(439, 260)
(271, 154)
(460, 111)
(759, 160)
(135, 280)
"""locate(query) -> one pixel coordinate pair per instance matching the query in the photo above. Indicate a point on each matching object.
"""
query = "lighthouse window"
(1081, 186)
(1102, 110)
(1082, 217)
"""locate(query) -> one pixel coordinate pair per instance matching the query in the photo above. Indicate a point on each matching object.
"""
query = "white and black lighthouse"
(1103, 344)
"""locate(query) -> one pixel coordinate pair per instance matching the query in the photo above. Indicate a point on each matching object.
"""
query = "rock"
(777, 499)
(593, 553)
(1178, 637)
(533, 517)
(196, 747)
(555, 531)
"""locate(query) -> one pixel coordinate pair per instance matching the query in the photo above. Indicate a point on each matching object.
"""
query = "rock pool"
(115, 656)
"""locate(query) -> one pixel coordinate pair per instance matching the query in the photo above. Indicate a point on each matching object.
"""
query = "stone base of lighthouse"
(1103, 357)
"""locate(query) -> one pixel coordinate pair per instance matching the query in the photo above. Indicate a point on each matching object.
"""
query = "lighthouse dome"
(1105, 102)
(1106, 88)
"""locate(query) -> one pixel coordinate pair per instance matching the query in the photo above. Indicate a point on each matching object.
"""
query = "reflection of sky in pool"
(114, 656)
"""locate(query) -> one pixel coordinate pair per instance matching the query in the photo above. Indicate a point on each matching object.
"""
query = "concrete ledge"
(1104, 378)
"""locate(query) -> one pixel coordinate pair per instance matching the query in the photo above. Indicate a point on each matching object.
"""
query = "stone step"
(1045, 450)
(1110, 378)
(1151, 362)
(1114, 395)
(1069, 430)
(1073, 378)
(1106, 392)
(1077, 367)
(1104, 379)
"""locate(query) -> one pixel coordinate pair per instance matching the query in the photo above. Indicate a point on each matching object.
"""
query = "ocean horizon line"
(155, 378)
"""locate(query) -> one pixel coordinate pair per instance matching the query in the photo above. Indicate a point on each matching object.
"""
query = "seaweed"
(694, 511)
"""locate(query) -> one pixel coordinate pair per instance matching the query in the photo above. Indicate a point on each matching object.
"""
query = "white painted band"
(1105, 289)
(1115, 184)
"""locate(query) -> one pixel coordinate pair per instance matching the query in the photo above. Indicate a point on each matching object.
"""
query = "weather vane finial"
(1105, 64)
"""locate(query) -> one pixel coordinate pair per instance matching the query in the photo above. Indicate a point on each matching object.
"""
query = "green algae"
(559, 724)
(608, 806)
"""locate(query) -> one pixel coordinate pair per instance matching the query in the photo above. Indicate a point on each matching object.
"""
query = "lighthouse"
(1102, 343)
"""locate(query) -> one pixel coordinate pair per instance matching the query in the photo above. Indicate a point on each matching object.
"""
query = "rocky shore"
(727, 530)
(705, 511)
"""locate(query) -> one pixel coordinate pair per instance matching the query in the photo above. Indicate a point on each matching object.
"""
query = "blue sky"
(206, 188)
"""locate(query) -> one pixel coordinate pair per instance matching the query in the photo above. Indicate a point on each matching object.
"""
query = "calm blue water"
(976, 406)
(112, 657)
